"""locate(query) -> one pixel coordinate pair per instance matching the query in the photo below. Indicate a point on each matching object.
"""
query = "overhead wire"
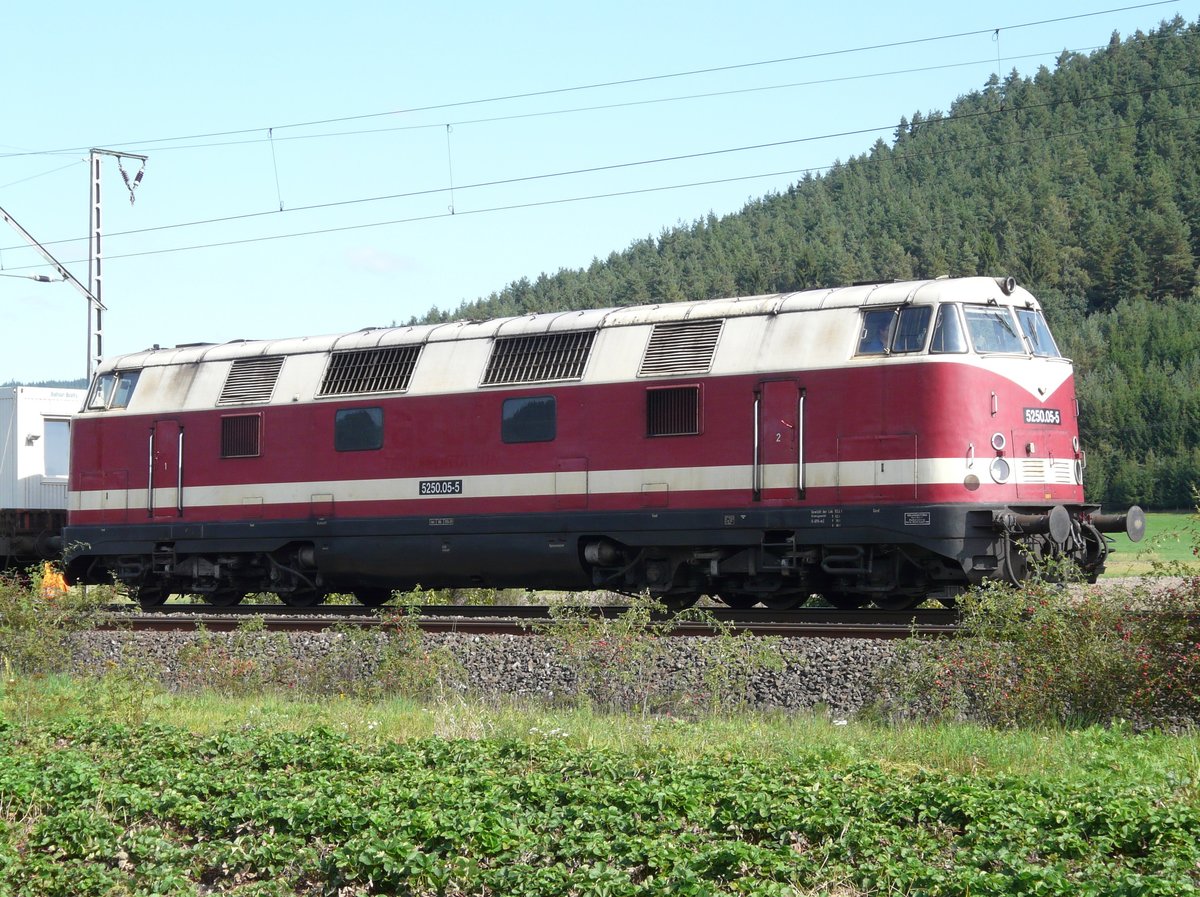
(34, 177)
(824, 54)
(593, 169)
(627, 104)
(940, 152)
(933, 121)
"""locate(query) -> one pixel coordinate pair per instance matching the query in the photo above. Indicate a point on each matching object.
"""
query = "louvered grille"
(251, 380)
(673, 412)
(682, 347)
(1033, 470)
(382, 369)
(239, 436)
(1063, 472)
(539, 359)
(1041, 470)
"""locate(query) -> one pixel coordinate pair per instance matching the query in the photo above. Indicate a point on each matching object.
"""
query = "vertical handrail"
(150, 479)
(179, 477)
(756, 477)
(800, 445)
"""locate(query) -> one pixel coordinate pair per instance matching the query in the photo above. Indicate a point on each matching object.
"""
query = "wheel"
(373, 597)
(842, 601)
(306, 598)
(784, 600)
(676, 603)
(897, 602)
(739, 600)
(148, 596)
(224, 597)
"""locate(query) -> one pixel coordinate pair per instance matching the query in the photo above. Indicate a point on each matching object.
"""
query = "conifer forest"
(1083, 183)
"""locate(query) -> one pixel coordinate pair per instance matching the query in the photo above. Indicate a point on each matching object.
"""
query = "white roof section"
(963, 289)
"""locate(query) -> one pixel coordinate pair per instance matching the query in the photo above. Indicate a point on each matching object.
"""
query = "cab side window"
(894, 330)
(112, 390)
(948, 333)
(912, 326)
(876, 335)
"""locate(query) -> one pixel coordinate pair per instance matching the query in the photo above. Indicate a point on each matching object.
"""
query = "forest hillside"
(1082, 182)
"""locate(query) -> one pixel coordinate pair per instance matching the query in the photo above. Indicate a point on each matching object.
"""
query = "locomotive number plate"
(1043, 416)
(441, 487)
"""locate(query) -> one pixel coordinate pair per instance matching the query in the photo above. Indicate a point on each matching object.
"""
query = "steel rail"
(522, 620)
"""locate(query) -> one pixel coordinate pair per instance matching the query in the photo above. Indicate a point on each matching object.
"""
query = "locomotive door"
(164, 491)
(779, 439)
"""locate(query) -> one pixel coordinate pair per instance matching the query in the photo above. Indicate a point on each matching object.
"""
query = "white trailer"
(35, 433)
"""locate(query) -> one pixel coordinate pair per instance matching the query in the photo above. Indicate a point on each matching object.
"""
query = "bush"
(1049, 654)
(626, 662)
(34, 627)
(390, 661)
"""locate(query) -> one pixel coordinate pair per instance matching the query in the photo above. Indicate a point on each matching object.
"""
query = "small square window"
(673, 412)
(532, 419)
(358, 429)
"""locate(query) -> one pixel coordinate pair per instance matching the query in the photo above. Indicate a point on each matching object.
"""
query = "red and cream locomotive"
(879, 443)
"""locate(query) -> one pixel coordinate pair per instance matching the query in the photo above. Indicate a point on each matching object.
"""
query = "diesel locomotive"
(872, 444)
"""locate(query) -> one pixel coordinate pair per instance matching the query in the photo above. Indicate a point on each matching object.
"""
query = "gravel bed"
(840, 676)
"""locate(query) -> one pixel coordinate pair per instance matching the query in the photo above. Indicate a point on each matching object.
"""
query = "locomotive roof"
(963, 289)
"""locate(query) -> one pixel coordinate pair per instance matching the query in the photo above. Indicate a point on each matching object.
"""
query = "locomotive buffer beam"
(1058, 524)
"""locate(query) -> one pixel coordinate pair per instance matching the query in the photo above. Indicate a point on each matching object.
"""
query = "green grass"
(1170, 538)
(767, 737)
(274, 797)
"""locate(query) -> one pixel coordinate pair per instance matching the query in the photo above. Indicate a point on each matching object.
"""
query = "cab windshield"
(992, 330)
(1041, 343)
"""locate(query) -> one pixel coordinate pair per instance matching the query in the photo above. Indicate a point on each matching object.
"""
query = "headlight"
(1000, 470)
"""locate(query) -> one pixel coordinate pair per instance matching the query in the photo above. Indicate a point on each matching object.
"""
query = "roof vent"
(681, 347)
(251, 380)
(361, 371)
(543, 358)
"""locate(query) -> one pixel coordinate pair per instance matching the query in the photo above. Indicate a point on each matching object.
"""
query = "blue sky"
(429, 189)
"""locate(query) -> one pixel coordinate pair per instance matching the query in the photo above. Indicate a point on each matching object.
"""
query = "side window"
(674, 411)
(532, 419)
(102, 391)
(112, 390)
(241, 436)
(126, 381)
(876, 335)
(948, 334)
(358, 429)
(912, 326)
(56, 446)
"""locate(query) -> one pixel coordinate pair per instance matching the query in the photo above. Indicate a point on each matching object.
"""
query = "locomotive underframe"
(30, 536)
(894, 556)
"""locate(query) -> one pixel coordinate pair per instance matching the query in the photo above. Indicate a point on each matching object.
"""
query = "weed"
(1043, 654)
(628, 662)
(35, 628)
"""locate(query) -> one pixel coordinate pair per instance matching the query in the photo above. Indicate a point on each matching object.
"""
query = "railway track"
(531, 619)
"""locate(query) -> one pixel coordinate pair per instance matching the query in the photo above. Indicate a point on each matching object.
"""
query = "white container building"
(35, 434)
